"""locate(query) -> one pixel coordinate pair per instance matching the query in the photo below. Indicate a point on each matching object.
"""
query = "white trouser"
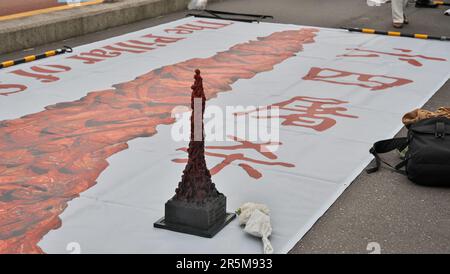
(398, 8)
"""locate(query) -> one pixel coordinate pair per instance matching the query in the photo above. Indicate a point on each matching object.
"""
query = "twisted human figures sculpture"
(196, 185)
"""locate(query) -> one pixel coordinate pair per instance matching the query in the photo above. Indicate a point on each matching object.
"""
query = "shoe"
(397, 25)
(405, 20)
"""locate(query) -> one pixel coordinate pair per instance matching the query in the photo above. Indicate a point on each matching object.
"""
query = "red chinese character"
(309, 112)
(228, 159)
(340, 77)
(409, 58)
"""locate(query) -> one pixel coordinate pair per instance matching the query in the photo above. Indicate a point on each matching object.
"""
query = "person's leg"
(397, 12)
(405, 5)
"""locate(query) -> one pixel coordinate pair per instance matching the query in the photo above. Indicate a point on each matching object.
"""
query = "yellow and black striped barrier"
(441, 3)
(31, 58)
(396, 33)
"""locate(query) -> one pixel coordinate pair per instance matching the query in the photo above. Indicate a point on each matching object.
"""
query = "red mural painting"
(341, 77)
(229, 159)
(402, 54)
(309, 112)
(50, 157)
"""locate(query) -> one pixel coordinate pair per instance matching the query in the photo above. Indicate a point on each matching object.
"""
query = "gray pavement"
(46, 27)
(383, 207)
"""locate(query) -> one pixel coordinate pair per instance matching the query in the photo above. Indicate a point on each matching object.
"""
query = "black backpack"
(427, 159)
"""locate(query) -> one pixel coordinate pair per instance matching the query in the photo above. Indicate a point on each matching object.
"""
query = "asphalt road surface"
(384, 208)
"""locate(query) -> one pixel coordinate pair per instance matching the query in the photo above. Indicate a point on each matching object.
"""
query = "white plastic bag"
(259, 226)
(246, 210)
(256, 219)
(197, 4)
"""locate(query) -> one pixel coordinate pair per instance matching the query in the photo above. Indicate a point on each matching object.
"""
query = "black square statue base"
(204, 220)
(208, 233)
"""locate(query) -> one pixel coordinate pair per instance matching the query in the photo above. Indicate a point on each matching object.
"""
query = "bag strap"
(386, 146)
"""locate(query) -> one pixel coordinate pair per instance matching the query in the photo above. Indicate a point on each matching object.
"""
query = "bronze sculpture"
(197, 207)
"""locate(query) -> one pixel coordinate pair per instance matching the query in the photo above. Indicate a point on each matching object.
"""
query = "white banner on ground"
(87, 139)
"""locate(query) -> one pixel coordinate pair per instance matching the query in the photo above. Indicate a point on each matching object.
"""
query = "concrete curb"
(40, 29)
